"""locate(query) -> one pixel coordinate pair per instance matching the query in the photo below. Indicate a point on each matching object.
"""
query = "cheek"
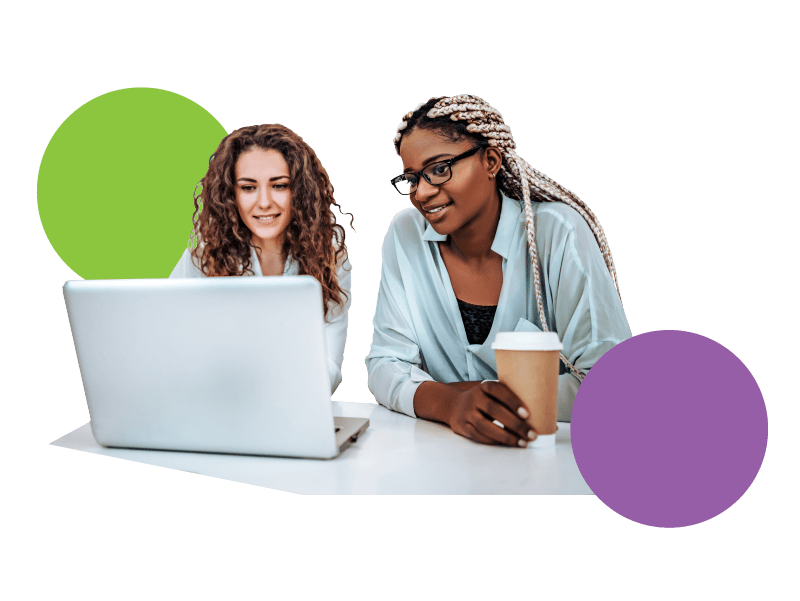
(473, 177)
(240, 207)
(286, 205)
(242, 203)
(471, 187)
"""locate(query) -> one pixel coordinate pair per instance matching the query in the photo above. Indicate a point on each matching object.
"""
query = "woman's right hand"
(473, 411)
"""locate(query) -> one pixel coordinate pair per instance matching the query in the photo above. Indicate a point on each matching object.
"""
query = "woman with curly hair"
(491, 245)
(266, 208)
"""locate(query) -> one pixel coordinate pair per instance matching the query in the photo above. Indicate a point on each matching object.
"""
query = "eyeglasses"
(435, 174)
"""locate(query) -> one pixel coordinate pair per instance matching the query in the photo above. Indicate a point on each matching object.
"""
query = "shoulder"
(188, 266)
(560, 220)
(404, 239)
(406, 229)
(557, 213)
(408, 221)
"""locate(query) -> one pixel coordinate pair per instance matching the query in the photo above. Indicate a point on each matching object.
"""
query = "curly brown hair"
(313, 238)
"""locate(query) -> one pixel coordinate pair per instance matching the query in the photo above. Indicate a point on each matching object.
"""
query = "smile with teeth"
(266, 218)
(439, 209)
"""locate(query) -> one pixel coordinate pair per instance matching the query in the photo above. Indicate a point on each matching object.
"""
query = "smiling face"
(469, 195)
(263, 195)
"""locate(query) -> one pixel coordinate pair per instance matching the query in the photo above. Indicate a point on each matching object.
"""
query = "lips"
(266, 218)
(436, 210)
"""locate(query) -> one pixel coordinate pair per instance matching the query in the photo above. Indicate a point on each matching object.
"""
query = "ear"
(492, 160)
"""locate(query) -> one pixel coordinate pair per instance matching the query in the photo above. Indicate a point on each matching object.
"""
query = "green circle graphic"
(116, 181)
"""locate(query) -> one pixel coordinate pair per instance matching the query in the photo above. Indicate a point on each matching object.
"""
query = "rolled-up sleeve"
(336, 326)
(588, 314)
(394, 363)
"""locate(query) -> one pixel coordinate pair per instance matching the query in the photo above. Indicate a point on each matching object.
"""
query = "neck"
(272, 246)
(270, 255)
(474, 240)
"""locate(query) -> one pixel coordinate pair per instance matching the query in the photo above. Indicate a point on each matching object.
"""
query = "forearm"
(464, 385)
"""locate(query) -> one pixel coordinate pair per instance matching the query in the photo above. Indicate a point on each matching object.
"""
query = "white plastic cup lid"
(527, 341)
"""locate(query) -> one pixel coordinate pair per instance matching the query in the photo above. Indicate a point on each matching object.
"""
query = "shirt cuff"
(407, 390)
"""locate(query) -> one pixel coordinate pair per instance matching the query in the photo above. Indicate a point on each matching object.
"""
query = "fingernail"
(522, 412)
(522, 443)
(531, 434)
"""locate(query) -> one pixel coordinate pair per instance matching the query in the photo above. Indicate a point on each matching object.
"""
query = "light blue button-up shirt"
(418, 331)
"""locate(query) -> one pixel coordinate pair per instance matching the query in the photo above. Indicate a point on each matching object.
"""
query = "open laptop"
(220, 365)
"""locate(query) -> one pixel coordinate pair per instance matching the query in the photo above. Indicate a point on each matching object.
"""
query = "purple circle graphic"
(669, 429)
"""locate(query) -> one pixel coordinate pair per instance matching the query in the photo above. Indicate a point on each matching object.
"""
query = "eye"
(440, 169)
(412, 179)
(248, 188)
(281, 186)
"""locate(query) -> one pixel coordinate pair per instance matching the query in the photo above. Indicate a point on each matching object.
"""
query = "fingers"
(497, 434)
(508, 416)
(504, 396)
(471, 432)
(511, 423)
(491, 414)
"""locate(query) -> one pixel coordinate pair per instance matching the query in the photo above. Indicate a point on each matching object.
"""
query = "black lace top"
(477, 320)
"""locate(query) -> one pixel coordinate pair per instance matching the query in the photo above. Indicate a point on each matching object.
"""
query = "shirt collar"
(510, 212)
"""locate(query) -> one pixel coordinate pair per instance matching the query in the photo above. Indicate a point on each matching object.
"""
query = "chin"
(268, 234)
(443, 229)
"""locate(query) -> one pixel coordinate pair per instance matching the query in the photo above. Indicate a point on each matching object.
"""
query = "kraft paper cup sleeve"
(527, 341)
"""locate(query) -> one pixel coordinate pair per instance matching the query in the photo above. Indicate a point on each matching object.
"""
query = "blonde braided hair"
(516, 178)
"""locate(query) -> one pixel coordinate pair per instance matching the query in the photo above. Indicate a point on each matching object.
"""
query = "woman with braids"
(266, 209)
(491, 245)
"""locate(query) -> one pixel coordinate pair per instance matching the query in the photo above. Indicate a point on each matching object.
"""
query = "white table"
(396, 455)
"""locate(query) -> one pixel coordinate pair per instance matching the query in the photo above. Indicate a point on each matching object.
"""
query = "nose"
(264, 197)
(424, 190)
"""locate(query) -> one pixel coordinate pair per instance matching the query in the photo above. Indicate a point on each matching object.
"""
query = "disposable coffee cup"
(527, 362)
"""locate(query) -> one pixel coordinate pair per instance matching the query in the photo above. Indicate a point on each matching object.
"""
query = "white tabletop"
(396, 455)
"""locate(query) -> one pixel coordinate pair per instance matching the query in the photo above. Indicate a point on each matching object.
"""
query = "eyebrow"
(430, 160)
(272, 179)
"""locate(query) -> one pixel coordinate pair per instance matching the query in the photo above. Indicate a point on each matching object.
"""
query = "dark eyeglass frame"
(448, 162)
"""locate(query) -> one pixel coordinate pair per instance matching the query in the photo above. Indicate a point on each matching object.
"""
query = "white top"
(418, 331)
(336, 319)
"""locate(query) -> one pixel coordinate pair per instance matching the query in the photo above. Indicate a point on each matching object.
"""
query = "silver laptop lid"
(231, 365)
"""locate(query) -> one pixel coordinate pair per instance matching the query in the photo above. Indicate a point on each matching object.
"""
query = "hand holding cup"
(475, 410)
